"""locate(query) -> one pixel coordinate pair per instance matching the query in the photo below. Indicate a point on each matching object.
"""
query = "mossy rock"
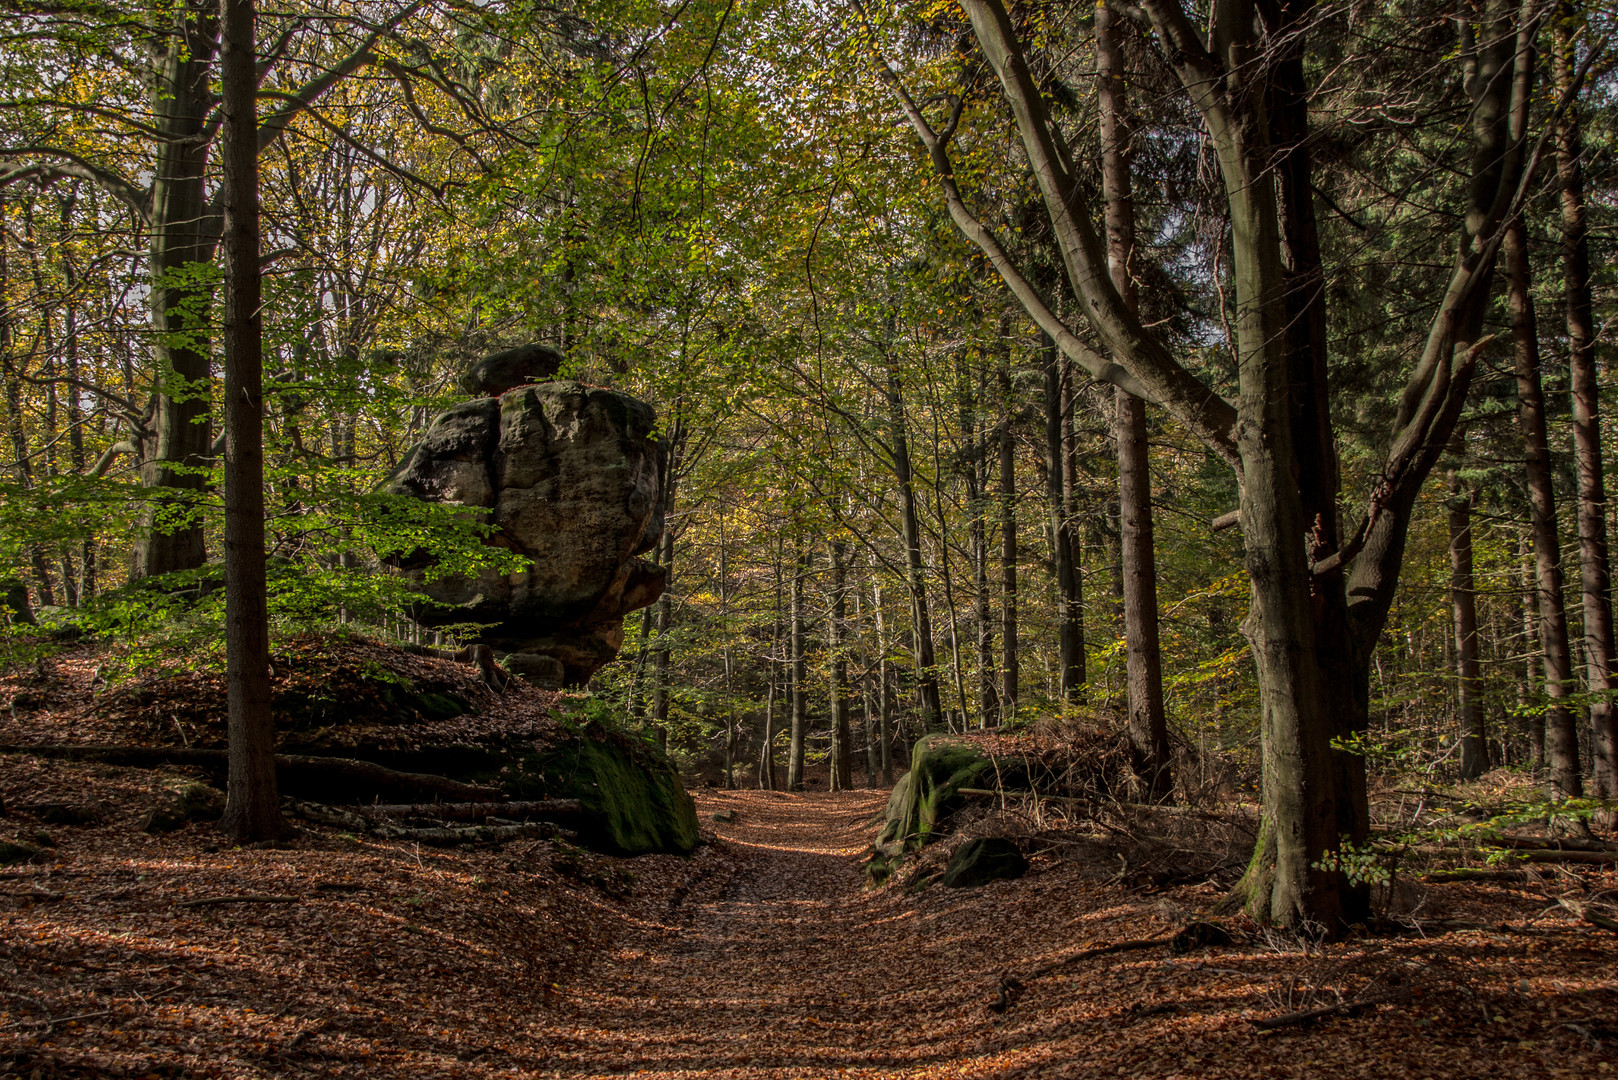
(634, 803)
(982, 860)
(925, 796)
(15, 854)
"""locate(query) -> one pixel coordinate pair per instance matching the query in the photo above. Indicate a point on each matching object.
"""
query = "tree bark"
(184, 235)
(1463, 607)
(921, 621)
(1069, 602)
(1009, 669)
(800, 669)
(253, 805)
(661, 651)
(1595, 568)
(841, 764)
(1561, 731)
(979, 508)
(1147, 725)
(884, 675)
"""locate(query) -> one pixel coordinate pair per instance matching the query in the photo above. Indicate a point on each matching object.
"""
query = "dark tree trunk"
(1561, 732)
(921, 621)
(1463, 606)
(979, 508)
(1147, 726)
(1595, 568)
(1533, 654)
(1070, 604)
(252, 806)
(1008, 546)
(184, 235)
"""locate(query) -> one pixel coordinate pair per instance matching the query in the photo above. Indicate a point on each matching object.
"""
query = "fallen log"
(544, 809)
(1473, 873)
(1536, 843)
(477, 834)
(1304, 1016)
(293, 771)
(248, 898)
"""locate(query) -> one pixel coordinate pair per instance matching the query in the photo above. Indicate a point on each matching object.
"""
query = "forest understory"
(764, 955)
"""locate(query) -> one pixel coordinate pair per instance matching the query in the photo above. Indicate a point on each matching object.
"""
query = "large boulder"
(926, 795)
(572, 477)
(634, 803)
(506, 370)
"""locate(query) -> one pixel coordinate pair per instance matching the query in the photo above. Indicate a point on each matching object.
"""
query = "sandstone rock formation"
(572, 476)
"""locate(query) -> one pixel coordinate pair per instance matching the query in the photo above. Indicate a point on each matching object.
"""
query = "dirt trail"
(784, 967)
(761, 957)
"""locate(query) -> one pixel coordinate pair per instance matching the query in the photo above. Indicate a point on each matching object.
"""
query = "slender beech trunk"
(1148, 727)
(800, 669)
(730, 668)
(841, 764)
(75, 434)
(921, 620)
(252, 805)
(1070, 606)
(1463, 606)
(1561, 731)
(660, 650)
(978, 507)
(766, 746)
(1595, 568)
(184, 234)
(884, 679)
(1008, 542)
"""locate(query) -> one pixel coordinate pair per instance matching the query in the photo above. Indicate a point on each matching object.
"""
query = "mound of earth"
(355, 700)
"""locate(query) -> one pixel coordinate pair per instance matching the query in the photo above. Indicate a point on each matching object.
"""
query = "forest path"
(783, 967)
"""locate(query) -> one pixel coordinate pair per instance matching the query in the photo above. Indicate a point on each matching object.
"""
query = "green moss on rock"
(982, 860)
(633, 800)
(929, 792)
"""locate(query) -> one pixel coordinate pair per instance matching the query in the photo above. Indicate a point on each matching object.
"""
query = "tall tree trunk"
(767, 778)
(1463, 606)
(184, 235)
(1147, 726)
(884, 680)
(1528, 702)
(841, 764)
(1561, 732)
(921, 621)
(1070, 606)
(1595, 568)
(660, 650)
(800, 669)
(1008, 542)
(252, 805)
(978, 507)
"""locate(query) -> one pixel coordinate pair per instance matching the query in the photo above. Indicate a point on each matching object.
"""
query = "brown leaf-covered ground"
(761, 956)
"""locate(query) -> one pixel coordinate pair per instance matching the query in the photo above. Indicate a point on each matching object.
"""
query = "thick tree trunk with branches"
(1319, 596)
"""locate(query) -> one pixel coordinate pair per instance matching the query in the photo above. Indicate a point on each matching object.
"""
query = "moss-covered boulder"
(980, 861)
(633, 800)
(930, 791)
